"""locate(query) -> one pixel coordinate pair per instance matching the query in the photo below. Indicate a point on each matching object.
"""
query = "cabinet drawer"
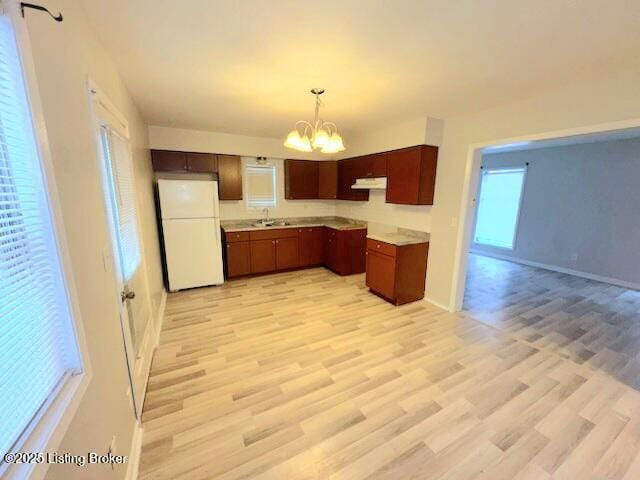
(381, 247)
(273, 234)
(237, 237)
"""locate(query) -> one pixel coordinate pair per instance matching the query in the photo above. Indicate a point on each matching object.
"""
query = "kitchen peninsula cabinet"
(397, 273)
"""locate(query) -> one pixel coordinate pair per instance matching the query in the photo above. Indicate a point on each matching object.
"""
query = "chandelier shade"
(320, 135)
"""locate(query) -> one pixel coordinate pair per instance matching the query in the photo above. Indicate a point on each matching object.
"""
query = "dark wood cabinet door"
(328, 179)
(330, 249)
(286, 253)
(311, 246)
(428, 167)
(379, 165)
(357, 251)
(300, 179)
(381, 271)
(263, 255)
(202, 162)
(362, 167)
(347, 174)
(238, 259)
(403, 172)
(229, 177)
(168, 161)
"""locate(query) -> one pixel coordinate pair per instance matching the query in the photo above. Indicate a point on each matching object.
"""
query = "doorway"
(131, 287)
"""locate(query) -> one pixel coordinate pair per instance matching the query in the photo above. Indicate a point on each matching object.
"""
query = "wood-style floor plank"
(305, 375)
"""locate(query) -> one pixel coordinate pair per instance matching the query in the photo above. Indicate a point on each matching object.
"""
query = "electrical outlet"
(574, 257)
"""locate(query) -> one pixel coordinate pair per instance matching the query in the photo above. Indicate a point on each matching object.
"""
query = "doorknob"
(127, 295)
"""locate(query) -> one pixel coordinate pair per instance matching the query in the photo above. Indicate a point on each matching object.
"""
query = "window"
(499, 206)
(38, 350)
(260, 186)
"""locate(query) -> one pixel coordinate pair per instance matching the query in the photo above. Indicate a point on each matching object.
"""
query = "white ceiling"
(246, 66)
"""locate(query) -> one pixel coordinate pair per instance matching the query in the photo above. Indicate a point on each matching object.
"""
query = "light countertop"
(337, 224)
(400, 238)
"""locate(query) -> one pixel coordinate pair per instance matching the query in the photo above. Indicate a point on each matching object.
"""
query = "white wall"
(579, 104)
(579, 208)
(387, 216)
(230, 210)
(65, 55)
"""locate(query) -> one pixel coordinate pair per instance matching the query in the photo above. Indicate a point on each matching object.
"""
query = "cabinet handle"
(378, 246)
(228, 245)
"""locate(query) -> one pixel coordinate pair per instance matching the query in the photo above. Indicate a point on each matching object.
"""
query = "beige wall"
(65, 55)
(166, 138)
(608, 99)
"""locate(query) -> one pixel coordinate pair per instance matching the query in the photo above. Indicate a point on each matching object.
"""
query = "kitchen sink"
(271, 224)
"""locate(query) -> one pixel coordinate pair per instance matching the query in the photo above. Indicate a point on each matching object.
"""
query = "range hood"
(378, 183)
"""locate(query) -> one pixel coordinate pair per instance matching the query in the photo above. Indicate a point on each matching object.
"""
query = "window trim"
(48, 427)
(483, 171)
(254, 163)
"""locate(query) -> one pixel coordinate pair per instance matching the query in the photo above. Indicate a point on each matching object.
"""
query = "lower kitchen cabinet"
(397, 273)
(286, 253)
(238, 257)
(263, 255)
(345, 251)
(263, 251)
(311, 246)
(381, 274)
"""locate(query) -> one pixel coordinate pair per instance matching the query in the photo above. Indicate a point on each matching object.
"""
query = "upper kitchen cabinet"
(169, 161)
(172, 161)
(347, 174)
(300, 179)
(411, 175)
(328, 179)
(229, 177)
(202, 162)
(370, 166)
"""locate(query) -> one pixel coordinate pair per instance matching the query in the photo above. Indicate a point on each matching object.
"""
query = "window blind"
(499, 206)
(38, 348)
(118, 155)
(261, 186)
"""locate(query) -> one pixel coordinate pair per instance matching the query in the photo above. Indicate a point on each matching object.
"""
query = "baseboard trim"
(568, 271)
(160, 317)
(437, 304)
(133, 464)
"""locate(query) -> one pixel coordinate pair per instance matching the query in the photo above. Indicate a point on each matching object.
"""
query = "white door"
(134, 299)
(188, 199)
(193, 251)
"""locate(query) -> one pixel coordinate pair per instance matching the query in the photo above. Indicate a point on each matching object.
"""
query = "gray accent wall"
(580, 208)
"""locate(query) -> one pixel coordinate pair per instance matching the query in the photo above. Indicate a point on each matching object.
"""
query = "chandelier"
(320, 135)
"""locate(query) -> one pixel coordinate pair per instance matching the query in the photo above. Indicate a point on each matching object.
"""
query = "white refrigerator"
(191, 232)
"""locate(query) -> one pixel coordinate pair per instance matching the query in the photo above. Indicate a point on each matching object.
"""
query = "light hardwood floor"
(586, 321)
(306, 375)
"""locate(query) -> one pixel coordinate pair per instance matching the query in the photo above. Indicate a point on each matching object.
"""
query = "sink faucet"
(265, 212)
